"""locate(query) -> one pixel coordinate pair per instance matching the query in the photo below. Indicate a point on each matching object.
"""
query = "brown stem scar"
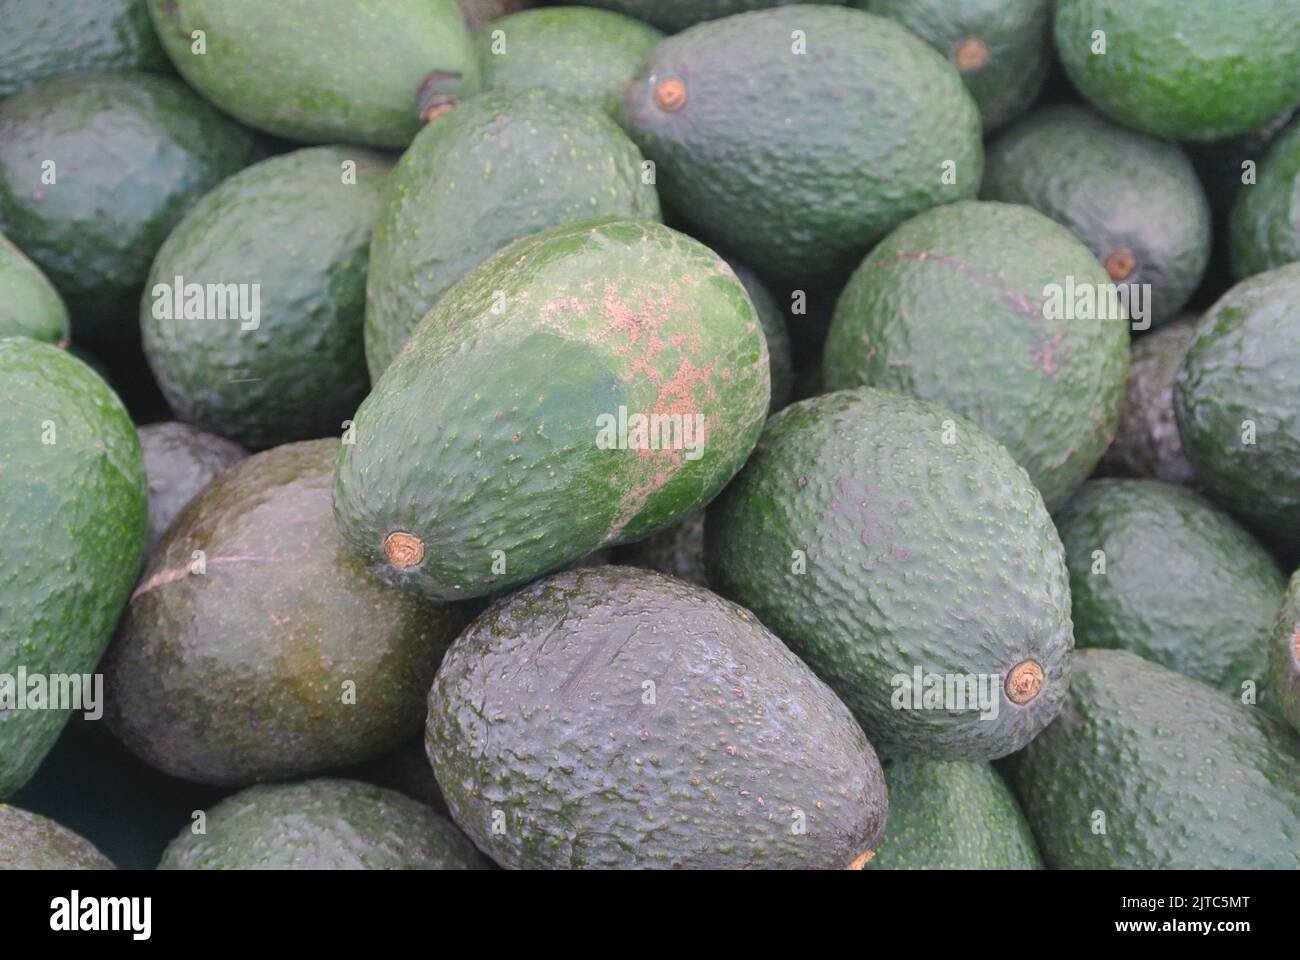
(1024, 681)
(403, 550)
(670, 94)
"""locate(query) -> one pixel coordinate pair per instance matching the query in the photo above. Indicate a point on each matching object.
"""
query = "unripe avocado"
(1284, 679)
(652, 725)
(881, 537)
(675, 15)
(29, 304)
(179, 460)
(1265, 226)
(29, 841)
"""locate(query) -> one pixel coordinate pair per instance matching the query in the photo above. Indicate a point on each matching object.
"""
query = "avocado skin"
(132, 152)
(779, 361)
(500, 166)
(322, 824)
(179, 460)
(1185, 70)
(1284, 678)
(291, 225)
(951, 308)
(952, 815)
(1112, 188)
(1244, 365)
(29, 304)
(29, 841)
(709, 774)
(322, 71)
(1186, 778)
(596, 316)
(1265, 224)
(1159, 540)
(73, 522)
(862, 114)
(675, 15)
(1016, 33)
(238, 674)
(862, 484)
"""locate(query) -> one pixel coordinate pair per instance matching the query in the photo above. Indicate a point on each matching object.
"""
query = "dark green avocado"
(32, 842)
(654, 725)
(179, 460)
(1285, 659)
(29, 304)
(1265, 226)
(675, 15)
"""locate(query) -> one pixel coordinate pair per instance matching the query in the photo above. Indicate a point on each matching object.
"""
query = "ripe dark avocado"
(322, 824)
(1146, 769)
(1265, 226)
(675, 15)
(324, 71)
(850, 502)
(179, 460)
(513, 435)
(1135, 201)
(1157, 570)
(256, 647)
(656, 725)
(953, 306)
(29, 841)
(130, 152)
(1186, 69)
(298, 227)
(1237, 384)
(29, 304)
(798, 136)
(499, 167)
(1284, 680)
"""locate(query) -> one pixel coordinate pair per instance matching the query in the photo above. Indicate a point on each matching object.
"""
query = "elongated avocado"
(29, 304)
(179, 461)
(1265, 225)
(1284, 664)
(29, 841)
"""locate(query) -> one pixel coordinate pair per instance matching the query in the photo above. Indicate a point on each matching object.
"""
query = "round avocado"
(29, 841)
(1284, 662)
(1265, 225)
(179, 460)
(29, 304)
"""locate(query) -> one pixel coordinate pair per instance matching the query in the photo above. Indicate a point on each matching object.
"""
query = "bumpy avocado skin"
(499, 167)
(29, 304)
(131, 152)
(282, 656)
(298, 227)
(656, 726)
(322, 824)
(179, 460)
(851, 500)
(952, 307)
(32, 842)
(1265, 225)
(1284, 663)
(1240, 376)
(1146, 769)
(799, 161)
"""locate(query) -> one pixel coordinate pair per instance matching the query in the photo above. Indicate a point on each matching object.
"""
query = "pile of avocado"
(649, 434)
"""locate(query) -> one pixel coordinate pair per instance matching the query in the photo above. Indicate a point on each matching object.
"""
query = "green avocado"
(796, 137)
(179, 460)
(1284, 678)
(675, 15)
(32, 842)
(1135, 201)
(500, 166)
(585, 387)
(280, 355)
(1146, 769)
(1183, 69)
(1265, 225)
(256, 647)
(321, 824)
(656, 726)
(896, 547)
(977, 305)
(29, 304)
(73, 523)
(95, 170)
(323, 71)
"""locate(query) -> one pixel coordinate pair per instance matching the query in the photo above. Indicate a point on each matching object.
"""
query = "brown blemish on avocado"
(862, 860)
(971, 54)
(1024, 682)
(435, 96)
(670, 94)
(1120, 263)
(403, 550)
(171, 576)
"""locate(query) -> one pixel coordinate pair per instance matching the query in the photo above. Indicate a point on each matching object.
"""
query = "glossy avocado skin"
(323, 71)
(283, 656)
(1185, 777)
(132, 152)
(1285, 655)
(29, 304)
(322, 824)
(498, 167)
(853, 498)
(951, 308)
(1244, 365)
(297, 229)
(1116, 190)
(29, 841)
(865, 114)
(73, 522)
(1265, 225)
(1185, 70)
(656, 726)
(179, 461)
(675, 15)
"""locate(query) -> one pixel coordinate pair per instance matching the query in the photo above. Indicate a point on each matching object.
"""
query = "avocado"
(280, 356)
(796, 137)
(677, 551)
(1235, 401)
(1002, 48)
(29, 304)
(256, 647)
(479, 12)
(676, 15)
(585, 387)
(73, 522)
(1265, 225)
(656, 726)
(952, 815)
(1223, 164)
(850, 502)
(179, 460)
(1182, 69)
(1284, 678)
(976, 305)
(500, 166)
(1146, 769)
(321, 824)
(29, 841)
(779, 360)
(95, 170)
(1135, 201)
(323, 71)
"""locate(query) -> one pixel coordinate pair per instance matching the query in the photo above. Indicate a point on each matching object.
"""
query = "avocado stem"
(670, 94)
(403, 550)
